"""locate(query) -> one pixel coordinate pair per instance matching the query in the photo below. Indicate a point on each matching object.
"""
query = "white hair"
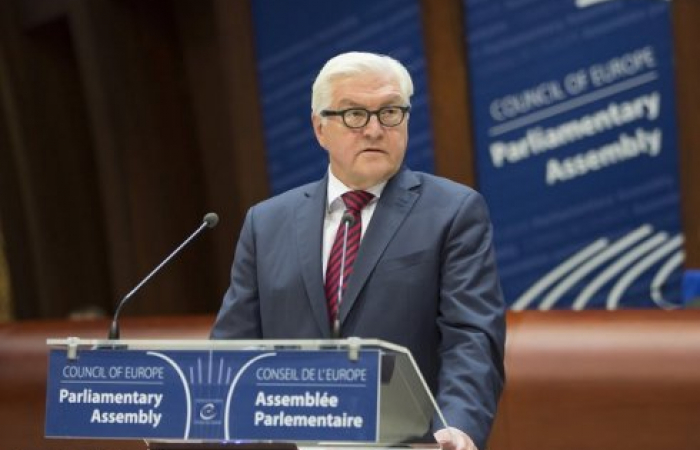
(355, 63)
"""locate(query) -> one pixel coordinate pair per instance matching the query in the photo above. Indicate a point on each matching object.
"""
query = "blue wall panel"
(293, 41)
(574, 119)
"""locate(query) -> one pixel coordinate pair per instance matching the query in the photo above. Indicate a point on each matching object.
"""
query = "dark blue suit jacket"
(425, 278)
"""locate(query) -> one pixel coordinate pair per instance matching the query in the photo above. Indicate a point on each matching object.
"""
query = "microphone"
(210, 221)
(347, 220)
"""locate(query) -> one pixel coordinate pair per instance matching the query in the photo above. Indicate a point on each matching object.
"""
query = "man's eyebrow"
(349, 103)
(394, 100)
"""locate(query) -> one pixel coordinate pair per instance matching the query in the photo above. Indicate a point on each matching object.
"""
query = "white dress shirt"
(335, 208)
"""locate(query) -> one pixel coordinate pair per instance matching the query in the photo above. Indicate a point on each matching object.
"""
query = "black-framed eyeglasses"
(389, 116)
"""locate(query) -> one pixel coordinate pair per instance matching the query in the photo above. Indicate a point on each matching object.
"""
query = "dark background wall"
(123, 122)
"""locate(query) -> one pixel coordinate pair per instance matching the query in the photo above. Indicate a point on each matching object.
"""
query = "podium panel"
(359, 392)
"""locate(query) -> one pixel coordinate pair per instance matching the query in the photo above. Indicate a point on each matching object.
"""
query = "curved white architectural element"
(660, 278)
(555, 274)
(618, 266)
(635, 271)
(592, 264)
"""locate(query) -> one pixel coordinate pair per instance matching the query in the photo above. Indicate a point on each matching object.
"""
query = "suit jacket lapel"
(310, 213)
(393, 207)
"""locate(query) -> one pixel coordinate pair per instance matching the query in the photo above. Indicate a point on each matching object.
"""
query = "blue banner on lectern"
(574, 119)
(214, 395)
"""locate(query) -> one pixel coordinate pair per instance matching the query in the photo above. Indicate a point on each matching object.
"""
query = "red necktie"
(354, 201)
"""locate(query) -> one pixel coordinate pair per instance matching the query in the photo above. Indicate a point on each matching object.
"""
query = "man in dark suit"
(424, 276)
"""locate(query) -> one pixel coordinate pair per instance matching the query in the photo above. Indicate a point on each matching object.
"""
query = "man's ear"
(318, 125)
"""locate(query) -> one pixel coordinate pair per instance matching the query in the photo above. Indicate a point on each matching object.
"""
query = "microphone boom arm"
(210, 221)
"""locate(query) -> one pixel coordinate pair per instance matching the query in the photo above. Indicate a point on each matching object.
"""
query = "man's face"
(366, 156)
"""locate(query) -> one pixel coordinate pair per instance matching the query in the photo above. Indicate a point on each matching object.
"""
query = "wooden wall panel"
(17, 239)
(445, 51)
(148, 160)
(51, 197)
(686, 24)
(222, 82)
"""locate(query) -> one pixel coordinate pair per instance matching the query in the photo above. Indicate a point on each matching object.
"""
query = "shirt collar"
(336, 189)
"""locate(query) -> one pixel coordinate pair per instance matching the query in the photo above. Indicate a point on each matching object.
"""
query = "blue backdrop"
(293, 41)
(574, 118)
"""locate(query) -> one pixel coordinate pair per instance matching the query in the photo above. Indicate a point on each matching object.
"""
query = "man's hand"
(454, 439)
